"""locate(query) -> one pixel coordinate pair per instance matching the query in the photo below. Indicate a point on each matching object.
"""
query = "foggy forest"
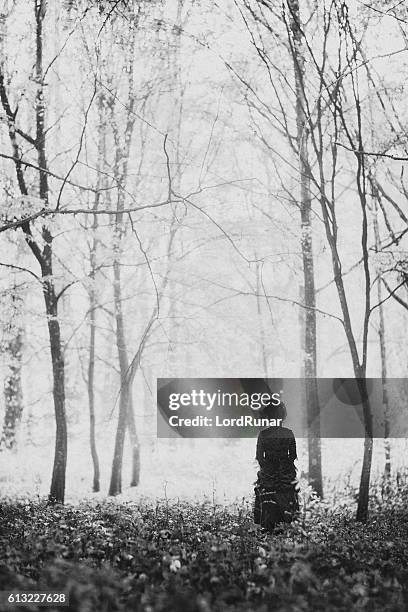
(200, 189)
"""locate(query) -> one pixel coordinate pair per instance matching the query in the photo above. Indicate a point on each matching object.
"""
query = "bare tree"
(264, 27)
(295, 36)
(126, 417)
(93, 302)
(324, 115)
(341, 124)
(43, 253)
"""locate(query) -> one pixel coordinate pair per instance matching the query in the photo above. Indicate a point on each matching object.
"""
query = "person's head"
(275, 412)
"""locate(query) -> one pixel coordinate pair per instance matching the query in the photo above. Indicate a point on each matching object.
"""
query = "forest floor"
(185, 557)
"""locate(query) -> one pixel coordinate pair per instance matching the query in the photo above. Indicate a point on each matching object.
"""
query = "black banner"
(240, 407)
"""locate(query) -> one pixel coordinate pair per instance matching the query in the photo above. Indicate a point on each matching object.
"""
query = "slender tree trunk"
(115, 487)
(363, 495)
(125, 403)
(91, 393)
(387, 441)
(57, 490)
(359, 369)
(92, 293)
(134, 443)
(13, 393)
(383, 357)
(309, 297)
(126, 411)
(260, 317)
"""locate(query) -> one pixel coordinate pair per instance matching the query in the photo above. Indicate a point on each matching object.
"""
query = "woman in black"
(276, 497)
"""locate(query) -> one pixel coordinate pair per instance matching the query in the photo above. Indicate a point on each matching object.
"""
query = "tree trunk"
(309, 298)
(13, 393)
(122, 152)
(91, 395)
(92, 293)
(134, 443)
(115, 487)
(383, 356)
(359, 370)
(363, 495)
(260, 317)
(57, 490)
(126, 415)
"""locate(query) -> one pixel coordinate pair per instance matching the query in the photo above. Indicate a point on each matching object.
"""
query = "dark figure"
(276, 497)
